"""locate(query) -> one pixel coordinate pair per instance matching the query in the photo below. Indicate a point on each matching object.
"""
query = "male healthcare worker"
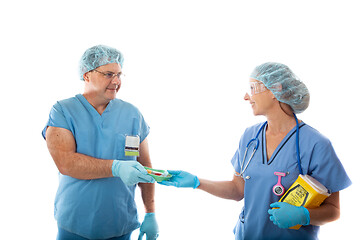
(277, 94)
(99, 145)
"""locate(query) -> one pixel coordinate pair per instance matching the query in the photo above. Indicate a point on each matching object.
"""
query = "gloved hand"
(131, 172)
(288, 215)
(182, 179)
(149, 227)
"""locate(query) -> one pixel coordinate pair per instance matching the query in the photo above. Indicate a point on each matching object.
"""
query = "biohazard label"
(297, 196)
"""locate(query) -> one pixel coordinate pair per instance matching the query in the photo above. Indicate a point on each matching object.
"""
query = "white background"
(187, 66)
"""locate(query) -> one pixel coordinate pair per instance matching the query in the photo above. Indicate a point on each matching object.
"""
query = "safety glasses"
(111, 75)
(256, 88)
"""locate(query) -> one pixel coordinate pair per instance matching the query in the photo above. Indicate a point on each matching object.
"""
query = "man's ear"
(86, 77)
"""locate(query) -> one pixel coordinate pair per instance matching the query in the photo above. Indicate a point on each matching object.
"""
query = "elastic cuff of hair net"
(307, 215)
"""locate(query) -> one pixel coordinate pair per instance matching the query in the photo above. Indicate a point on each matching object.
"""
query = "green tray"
(158, 178)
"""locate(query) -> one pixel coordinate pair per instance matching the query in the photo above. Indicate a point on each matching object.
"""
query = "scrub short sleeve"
(56, 119)
(235, 161)
(144, 128)
(326, 167)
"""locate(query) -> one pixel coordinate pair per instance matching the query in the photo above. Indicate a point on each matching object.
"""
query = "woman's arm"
(328, 211)
(233, 190)
(224, 189)
(285, 215)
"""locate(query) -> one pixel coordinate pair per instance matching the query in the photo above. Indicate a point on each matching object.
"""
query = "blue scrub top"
(318, 159)
(98, 208)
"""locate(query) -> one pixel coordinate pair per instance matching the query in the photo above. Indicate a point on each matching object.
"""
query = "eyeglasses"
(257, 87)
(111, 75)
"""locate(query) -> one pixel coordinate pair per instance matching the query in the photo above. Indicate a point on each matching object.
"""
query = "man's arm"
(62, 148)
(147, 190)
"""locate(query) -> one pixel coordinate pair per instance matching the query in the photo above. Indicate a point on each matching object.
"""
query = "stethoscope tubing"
(298, 145)
(256, 139)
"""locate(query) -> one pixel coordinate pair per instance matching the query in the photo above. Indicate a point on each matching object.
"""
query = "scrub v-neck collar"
(279, 147)
(91, 109)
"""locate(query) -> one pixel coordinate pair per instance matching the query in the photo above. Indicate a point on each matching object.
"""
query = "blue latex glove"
(182, 179)
(149, 227)
(288, 215)
(131, 172)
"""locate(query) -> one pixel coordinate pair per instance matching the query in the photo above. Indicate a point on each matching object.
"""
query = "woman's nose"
(246, 97)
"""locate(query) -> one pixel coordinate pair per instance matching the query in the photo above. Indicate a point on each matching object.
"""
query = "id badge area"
(132, 146)
(132, 142)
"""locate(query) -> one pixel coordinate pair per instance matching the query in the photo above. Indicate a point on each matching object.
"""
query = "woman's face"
(260, 98)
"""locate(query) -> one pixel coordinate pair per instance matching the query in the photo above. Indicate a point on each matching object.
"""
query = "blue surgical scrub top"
(318, 159)
(98, 208)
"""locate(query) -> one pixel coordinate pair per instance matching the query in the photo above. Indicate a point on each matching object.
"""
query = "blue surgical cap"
(97, 56)
(283, 83)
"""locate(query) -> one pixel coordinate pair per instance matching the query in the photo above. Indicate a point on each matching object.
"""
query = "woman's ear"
(272, 95)
(277, 87)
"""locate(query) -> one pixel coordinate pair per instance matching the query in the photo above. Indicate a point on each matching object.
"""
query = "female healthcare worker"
(272, 147)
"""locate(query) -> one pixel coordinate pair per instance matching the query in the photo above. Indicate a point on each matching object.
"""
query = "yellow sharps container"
(306, 191)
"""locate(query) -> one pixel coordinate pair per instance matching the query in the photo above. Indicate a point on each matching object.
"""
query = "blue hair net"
(283, 83)
(97, 56)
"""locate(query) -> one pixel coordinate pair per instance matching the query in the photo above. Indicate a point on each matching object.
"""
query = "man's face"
(104, 81)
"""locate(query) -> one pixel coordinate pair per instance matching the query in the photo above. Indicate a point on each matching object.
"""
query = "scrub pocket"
(120, 148)
(240, 226)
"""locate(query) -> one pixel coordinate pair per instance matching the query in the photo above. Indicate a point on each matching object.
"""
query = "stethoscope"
(278, 189)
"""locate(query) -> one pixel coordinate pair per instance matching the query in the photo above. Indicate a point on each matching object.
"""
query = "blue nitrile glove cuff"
(115, 168)
(130, 172)
(307, 215)
(197, 182)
